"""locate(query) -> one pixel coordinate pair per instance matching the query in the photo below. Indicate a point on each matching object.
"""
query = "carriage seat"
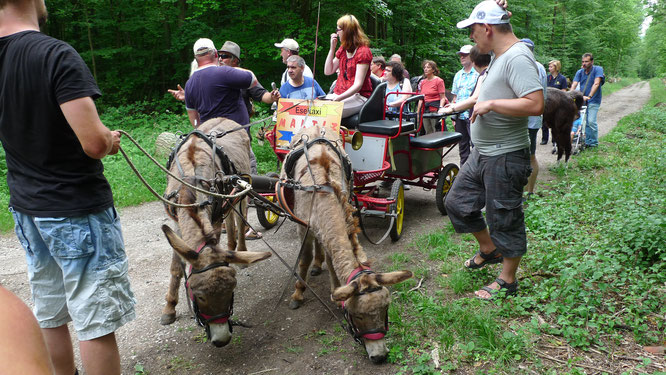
(374, 104)
(386, 127)
(435, 140)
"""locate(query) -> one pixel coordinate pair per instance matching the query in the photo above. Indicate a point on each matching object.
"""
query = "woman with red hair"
(352, 62)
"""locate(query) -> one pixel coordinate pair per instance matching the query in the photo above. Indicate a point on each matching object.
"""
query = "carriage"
(387, 153)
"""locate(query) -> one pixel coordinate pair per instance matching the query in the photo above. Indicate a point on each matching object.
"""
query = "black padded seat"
(435, 140)
(372, 109)
(386, 127)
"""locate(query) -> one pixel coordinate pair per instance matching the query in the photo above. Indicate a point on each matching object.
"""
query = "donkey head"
(366, 302)
(211, 282)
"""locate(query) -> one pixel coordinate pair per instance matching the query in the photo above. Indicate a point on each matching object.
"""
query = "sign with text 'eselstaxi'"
(296, 114)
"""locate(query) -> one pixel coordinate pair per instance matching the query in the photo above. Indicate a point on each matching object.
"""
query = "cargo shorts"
(496, 183)
(78, 271)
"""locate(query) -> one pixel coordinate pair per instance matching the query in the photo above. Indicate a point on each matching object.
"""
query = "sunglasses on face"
(225, 56)
(338, 29)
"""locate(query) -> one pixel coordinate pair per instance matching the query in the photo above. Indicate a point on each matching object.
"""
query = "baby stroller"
(578, 130)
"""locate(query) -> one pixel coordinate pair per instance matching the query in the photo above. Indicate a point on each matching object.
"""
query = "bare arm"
(270, 97)
(194, 117)
(593, 90)
(361, 70)
(96, 139)
(529, 105)
(332, 62)
(22, 346)
(469, 102)
(574, 85)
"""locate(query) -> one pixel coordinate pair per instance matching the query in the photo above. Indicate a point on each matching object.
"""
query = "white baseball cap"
(203, 46)
(289, 44)
(465, 50)
(486, 12)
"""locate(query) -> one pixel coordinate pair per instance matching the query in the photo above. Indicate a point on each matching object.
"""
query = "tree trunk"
(90, 43)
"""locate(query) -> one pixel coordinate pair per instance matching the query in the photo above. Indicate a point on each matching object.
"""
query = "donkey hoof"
(315, 271)
(167, 319)
(295, 304)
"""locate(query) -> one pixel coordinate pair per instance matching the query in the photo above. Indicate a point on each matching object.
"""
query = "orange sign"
(296, 114)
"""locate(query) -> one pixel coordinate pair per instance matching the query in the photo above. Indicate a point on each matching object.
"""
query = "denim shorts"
(78, 271)
(496, 183)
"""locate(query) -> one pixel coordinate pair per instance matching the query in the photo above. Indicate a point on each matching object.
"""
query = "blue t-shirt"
(559, 82)
(303, 91)
(215, 91)
(582, 77)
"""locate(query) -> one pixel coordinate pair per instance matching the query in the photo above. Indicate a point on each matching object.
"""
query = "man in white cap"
(215, 91)
(463, 85)
(499, 165)
(289, 47)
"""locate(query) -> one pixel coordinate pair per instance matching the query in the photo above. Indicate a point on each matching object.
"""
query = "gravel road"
(282, 341)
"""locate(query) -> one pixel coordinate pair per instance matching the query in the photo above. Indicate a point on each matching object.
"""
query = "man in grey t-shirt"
(497, 169)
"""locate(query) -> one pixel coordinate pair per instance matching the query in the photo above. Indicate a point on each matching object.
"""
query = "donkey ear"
(245, 257)
(344, 292)
(393, 277)
(177, 243)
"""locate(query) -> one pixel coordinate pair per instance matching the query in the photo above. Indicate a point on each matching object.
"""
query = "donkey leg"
(240, 224)
(169, 311)
(232, 234)
(318, 260)
(333, 277)
(303, 265)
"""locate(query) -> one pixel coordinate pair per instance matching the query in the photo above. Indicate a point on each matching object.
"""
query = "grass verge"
(592, 281)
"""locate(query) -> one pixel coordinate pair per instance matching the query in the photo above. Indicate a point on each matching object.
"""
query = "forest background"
(137, 49)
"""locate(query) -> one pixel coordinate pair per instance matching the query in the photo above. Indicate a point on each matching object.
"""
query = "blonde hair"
(352, 33)
(557, 63)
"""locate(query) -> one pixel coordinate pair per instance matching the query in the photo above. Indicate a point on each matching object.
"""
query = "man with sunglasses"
(289, 47)
(229, 55)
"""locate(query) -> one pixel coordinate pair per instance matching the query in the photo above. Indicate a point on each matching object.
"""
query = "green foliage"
(594, 273)
(139, 49)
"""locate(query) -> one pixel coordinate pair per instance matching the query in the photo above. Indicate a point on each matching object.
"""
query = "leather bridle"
(352, 329)
(202, 319)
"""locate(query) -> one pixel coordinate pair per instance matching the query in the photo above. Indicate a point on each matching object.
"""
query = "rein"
(244, 191)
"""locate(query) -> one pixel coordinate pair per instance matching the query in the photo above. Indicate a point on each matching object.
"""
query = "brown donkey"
(210, 281)
(334, 229)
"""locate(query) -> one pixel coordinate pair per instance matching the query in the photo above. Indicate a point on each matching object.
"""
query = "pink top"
(431, 90)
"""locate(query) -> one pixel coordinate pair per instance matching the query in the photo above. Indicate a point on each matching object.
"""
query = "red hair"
(352, 33)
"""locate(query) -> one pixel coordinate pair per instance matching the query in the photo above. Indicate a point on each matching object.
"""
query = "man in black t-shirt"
(61, 201)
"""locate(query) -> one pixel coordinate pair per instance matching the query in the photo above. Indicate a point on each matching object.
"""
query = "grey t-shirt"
(512, 75)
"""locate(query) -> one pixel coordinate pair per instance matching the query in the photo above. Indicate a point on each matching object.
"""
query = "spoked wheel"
(268, 218)
(444, 183)
(397, 208)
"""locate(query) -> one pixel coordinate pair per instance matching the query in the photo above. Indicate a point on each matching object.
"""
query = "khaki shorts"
(77, 268)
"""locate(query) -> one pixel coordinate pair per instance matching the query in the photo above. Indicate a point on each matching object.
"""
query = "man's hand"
(504, 4)
(115, 142)
(275, 95)
(480, 109)
(586, 98)
(178, 94)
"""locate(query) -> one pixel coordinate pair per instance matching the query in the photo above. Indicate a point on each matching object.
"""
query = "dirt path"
(305, 341)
